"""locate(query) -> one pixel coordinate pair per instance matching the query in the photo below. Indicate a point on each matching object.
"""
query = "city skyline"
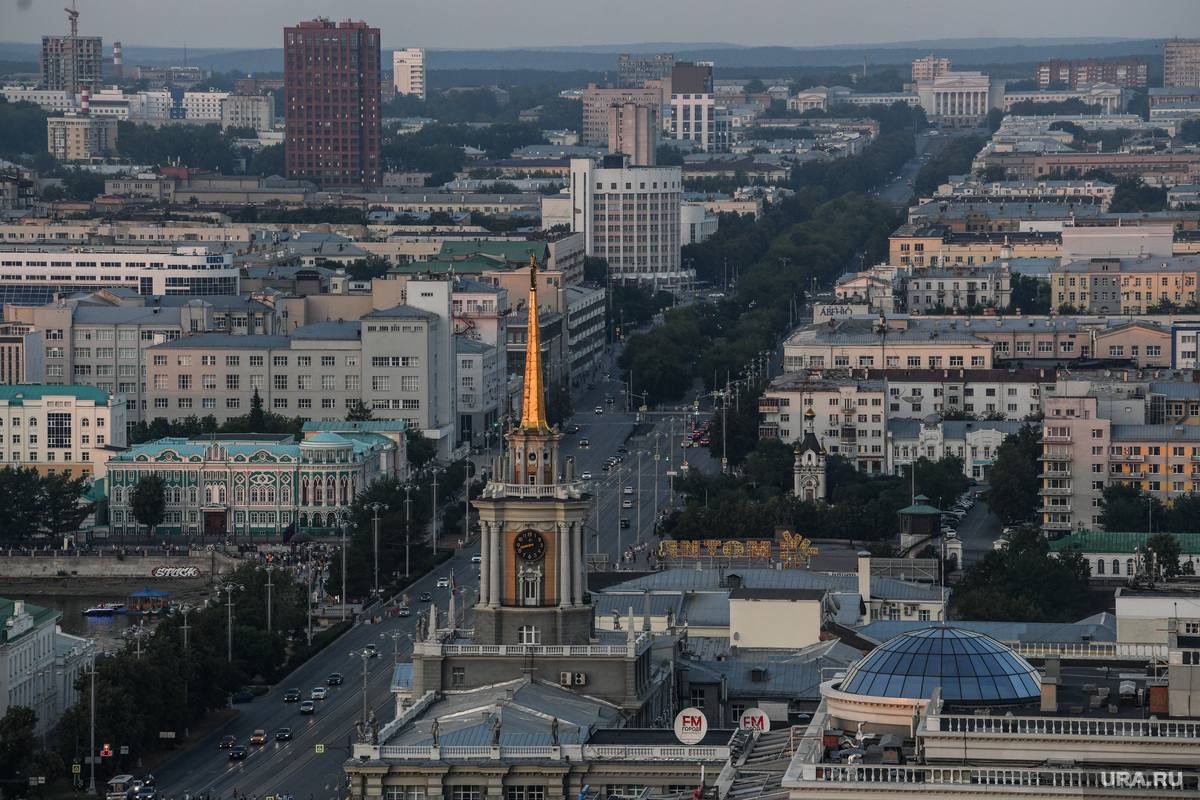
(540, 21)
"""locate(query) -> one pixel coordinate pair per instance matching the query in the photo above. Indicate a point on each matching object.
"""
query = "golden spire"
(533, 403)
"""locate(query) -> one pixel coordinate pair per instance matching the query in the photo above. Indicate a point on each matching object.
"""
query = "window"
(524, 792)
(279, 402)
(404, 793)
(256, 361)
(304, 382)
(458, 677)
(208, 361)
(208, 381)
(328, 383)
(696, 697)
(353, 383)
(160, 402)
(233, 381)
(185, 382)
(381, 383)
(208, 402)
(529, 635)
(466, 793)
(328, 402)
(303, 361)
(280, 382)
(160, 361)
(233, 361)
(327, 361)
(233, 402)
(279, 361)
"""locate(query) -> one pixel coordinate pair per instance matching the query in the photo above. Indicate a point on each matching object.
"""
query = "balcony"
(768, 406)
(1056, 438)
(1062, 525)
(982, 781)
(1055, 473)
(1056, 454)
(1130, 457)
(1054, 509)
(1054, 491)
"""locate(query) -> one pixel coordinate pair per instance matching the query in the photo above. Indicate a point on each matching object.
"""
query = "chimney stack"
(84, 98)
(118, 70)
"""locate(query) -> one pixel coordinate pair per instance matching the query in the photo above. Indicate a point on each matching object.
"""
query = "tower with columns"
(532, 589)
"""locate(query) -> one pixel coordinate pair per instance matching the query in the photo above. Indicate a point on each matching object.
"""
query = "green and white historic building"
(252, 486)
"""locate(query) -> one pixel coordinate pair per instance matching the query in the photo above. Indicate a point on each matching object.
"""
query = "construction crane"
(73, 16)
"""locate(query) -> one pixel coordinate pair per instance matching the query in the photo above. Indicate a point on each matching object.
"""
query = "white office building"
(630, 216)
(408, 71)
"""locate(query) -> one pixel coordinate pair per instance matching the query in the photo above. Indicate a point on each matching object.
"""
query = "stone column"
(565, 596)
(580, 569)
(485, 575)
(494, 565)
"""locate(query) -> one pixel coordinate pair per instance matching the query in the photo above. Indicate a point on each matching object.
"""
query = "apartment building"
(961, 187)
(21, 354)
(1125, 285)
(929, 67)
(69, 63)
(861, 343)
(848, 415)
(39, 664)
(922, 245)
(974, 442)
(1144, 343)
(482, 387)
(1156, 169)
(633, 131)
(634, 71)
(254, 111)
(597, 102)
(586, 332)
(957, 289)
(103, 343)
(253, 488)
(695, 116)
(71, 430)
(630, 216)
(1181, 62)
(408, 72)
(1127, 72)
(1074, 463)
(397, 361)
(79, 137)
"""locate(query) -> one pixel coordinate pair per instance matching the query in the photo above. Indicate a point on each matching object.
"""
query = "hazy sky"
(529, 23)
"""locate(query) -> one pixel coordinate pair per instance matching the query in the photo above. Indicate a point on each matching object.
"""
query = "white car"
(628, 490)
(626, 504)
(443, 582)
(476, 559)
(318, 693)
(586, 475)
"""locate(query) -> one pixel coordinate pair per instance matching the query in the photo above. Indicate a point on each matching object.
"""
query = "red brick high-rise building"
(331, 106)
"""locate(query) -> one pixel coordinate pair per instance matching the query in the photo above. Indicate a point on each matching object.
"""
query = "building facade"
(956, 99)
(630, 216)
(252, 488)
(79, 137)
(597, 101)
(633, 131)
(71, 430)
(929, 67)
(1181, 62)
(39, 664)
(331, 107)
(254, 111)
(408, 71)
(69, 63)
(634, 71)
(1128, 73)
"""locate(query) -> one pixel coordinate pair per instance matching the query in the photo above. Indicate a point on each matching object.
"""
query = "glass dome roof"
(970, 667)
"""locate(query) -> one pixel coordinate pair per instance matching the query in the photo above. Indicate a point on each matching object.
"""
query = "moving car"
(291, 696)
(624, 522)
(334, 679)
(477, 559)
(626, 504)
(404, 611)
(372, 651)
(227, 742)
(258, 737)
(318, 693)
(587, 475)
(238, 753)
(598, 410)
(628, 490)
(426, 597)
(283, 735)
(308, 707)
(443, 582)
(584, 444)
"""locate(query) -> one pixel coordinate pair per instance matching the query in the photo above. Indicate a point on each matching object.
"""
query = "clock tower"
(532, 581)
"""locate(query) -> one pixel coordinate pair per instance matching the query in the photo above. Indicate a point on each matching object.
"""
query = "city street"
(296, 767)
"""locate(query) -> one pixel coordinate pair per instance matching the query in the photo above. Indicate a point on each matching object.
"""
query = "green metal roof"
(470, 265)
(1119, 542)
(16, 395)
(40, 615)
(344, 427)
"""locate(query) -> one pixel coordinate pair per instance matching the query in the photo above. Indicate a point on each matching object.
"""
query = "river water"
(107, 631)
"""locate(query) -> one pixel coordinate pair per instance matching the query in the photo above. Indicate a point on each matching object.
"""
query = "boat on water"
(105, 610)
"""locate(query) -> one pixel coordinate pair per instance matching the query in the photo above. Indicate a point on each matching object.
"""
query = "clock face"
(530, 545)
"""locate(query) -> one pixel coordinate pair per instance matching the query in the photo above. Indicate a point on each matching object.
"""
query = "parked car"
(227, 742)
(308, 707)
(238, 753)
(318, 693)
(291, 696)
(624, 522)
(242, 696)
(334, 679)
(283, 735)
(258, 737)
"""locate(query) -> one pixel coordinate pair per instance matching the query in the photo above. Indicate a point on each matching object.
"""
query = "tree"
(359, 412)
(1133, 195)
(421, 450)
(595, 270)
(1022, 582)
(19, 497)
(1013, 483)
(256, 418)
(1162, 552)
(754, 86)
(148, 502)
(17, 748)
(61, 501)
(1126, 508)
(1030, 295)
(1189, 131)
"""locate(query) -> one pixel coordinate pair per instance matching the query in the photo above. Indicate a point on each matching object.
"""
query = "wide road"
(295, 767)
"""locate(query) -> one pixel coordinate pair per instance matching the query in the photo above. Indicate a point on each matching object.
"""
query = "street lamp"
(92, 709)
(229, 589)
(186, 609)
(435, 511)
(365, 655)
(407, 523)
(270, 586)
(396, 637)
(375, 507)
(343, 519)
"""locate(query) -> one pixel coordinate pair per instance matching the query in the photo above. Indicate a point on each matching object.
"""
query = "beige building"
(929, 67)
(958, 99)
(1125, 285)
(862, 343)
(958, 289)
(598, 100)
(21, 354)
(408, 71)
(254, 111)
(81, 138)
(776, 618)
(1181, 62)
(633, 131)
(1145, 343)
(72, 430)
(848, 415)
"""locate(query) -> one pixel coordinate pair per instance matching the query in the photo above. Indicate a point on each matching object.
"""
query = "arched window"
(1116, 565)
(318, 491)
(1129, 566)
(208, 495)
(192, 495)
(221, 495)
(331, 491)
(269, 495)
(1100, 566)
(240, 495)
(118, 495)
(285, 495)
(344, 489)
